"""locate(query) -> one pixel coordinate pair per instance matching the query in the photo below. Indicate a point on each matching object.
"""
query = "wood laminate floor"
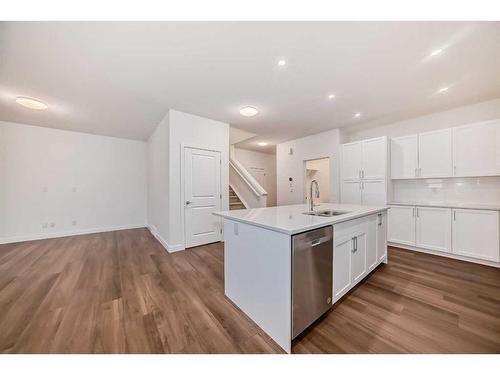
(120, 292)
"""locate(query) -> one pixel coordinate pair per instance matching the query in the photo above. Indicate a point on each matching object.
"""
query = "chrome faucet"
(311, 200)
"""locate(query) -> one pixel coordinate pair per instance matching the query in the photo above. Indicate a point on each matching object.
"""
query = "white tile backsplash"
(483, 190)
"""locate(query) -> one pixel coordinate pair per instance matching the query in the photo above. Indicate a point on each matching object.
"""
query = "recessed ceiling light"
(436, 52)
(331, 96)
(248, 111)
(31, 103)
(262, 144)
(282, 62)
(357, 114)
(443, 89)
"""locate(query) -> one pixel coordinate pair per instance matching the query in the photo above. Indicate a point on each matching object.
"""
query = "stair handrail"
(254, 185)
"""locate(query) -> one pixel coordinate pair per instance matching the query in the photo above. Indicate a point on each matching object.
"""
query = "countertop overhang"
(292, 220)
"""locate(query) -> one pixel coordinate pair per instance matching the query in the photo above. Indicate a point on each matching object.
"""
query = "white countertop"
(472, 206)
(291, 219)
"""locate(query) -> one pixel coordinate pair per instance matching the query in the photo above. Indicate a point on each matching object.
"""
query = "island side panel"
(257, 277)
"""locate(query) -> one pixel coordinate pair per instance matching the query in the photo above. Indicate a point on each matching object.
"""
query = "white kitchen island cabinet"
(259, 258)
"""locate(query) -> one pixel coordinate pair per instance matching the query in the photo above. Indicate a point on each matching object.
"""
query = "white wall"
(483, 111)
(326, 144)
(319, 170)
(158, 181)
(253, 159)
(194, 131)
(56, 176)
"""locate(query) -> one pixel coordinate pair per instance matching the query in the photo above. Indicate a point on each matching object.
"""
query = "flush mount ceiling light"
(331, 96)
(443, 89)
(357, 115)
(436, 52)
(282, 62)
(262, 144)
(31, 103)
(248, 111)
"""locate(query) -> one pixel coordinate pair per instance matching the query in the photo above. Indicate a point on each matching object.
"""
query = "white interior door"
(259, 174)
(202, 194)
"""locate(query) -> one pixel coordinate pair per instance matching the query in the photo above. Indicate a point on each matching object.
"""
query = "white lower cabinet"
(465, 232)
(356, 251)
(381, 236)
(402, 225)
(475, 234)
(433, 228)
(341, 275)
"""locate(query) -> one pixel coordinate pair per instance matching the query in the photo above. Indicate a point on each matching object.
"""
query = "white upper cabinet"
(433, 228)
(476, 149)
(374, 163)
(352, 156)
(435, 154)
(404, 156)
(475, 234)
(364, 170)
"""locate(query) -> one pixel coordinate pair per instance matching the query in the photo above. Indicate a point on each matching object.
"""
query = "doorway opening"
(319, 170)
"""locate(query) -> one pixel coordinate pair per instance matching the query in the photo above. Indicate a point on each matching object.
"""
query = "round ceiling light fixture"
(248, 111)
(331, 96)
(282, 62)
(31, 103)
(357, 115)
(262, 144)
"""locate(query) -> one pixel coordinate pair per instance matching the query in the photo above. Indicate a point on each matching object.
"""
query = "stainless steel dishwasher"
(312, 273)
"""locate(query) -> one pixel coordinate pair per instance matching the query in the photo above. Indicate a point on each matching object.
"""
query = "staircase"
(234, 201)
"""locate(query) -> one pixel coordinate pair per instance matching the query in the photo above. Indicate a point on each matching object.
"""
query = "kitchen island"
(261, 272)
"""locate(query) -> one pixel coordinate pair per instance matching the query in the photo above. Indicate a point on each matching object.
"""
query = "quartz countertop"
(472, 206)
(291, 219)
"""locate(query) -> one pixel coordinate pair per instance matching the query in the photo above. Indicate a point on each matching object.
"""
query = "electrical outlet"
(52, 225)
(73, 222)
(44, 225)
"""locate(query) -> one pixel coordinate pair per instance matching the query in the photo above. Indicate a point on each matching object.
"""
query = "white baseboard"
(163, 242)
(447, 255)
(43, 236)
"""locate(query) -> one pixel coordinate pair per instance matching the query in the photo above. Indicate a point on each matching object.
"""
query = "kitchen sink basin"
(326, 213)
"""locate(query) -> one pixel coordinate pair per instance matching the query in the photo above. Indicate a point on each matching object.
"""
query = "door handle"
(454, 215)
(359, 174)
(417, 212)
(315, 242)
(362, 173)
(413, 211)
(380, 220)
(188, 203)
(353, 245)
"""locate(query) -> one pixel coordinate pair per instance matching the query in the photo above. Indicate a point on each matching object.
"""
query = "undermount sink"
(326, 213)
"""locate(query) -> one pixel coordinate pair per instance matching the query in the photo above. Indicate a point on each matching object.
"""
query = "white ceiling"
(119, 78)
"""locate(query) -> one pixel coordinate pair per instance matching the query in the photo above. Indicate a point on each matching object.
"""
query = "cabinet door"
(433, 228)
(381, 236)
(351, 192)
(342, 266)
(358, 257)
(401, 225)
(476, 149)
(374, 158)
(352, 155)
(371, 242)
(475, 234)
(434, 154)
(404, 156)
(374, 193)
